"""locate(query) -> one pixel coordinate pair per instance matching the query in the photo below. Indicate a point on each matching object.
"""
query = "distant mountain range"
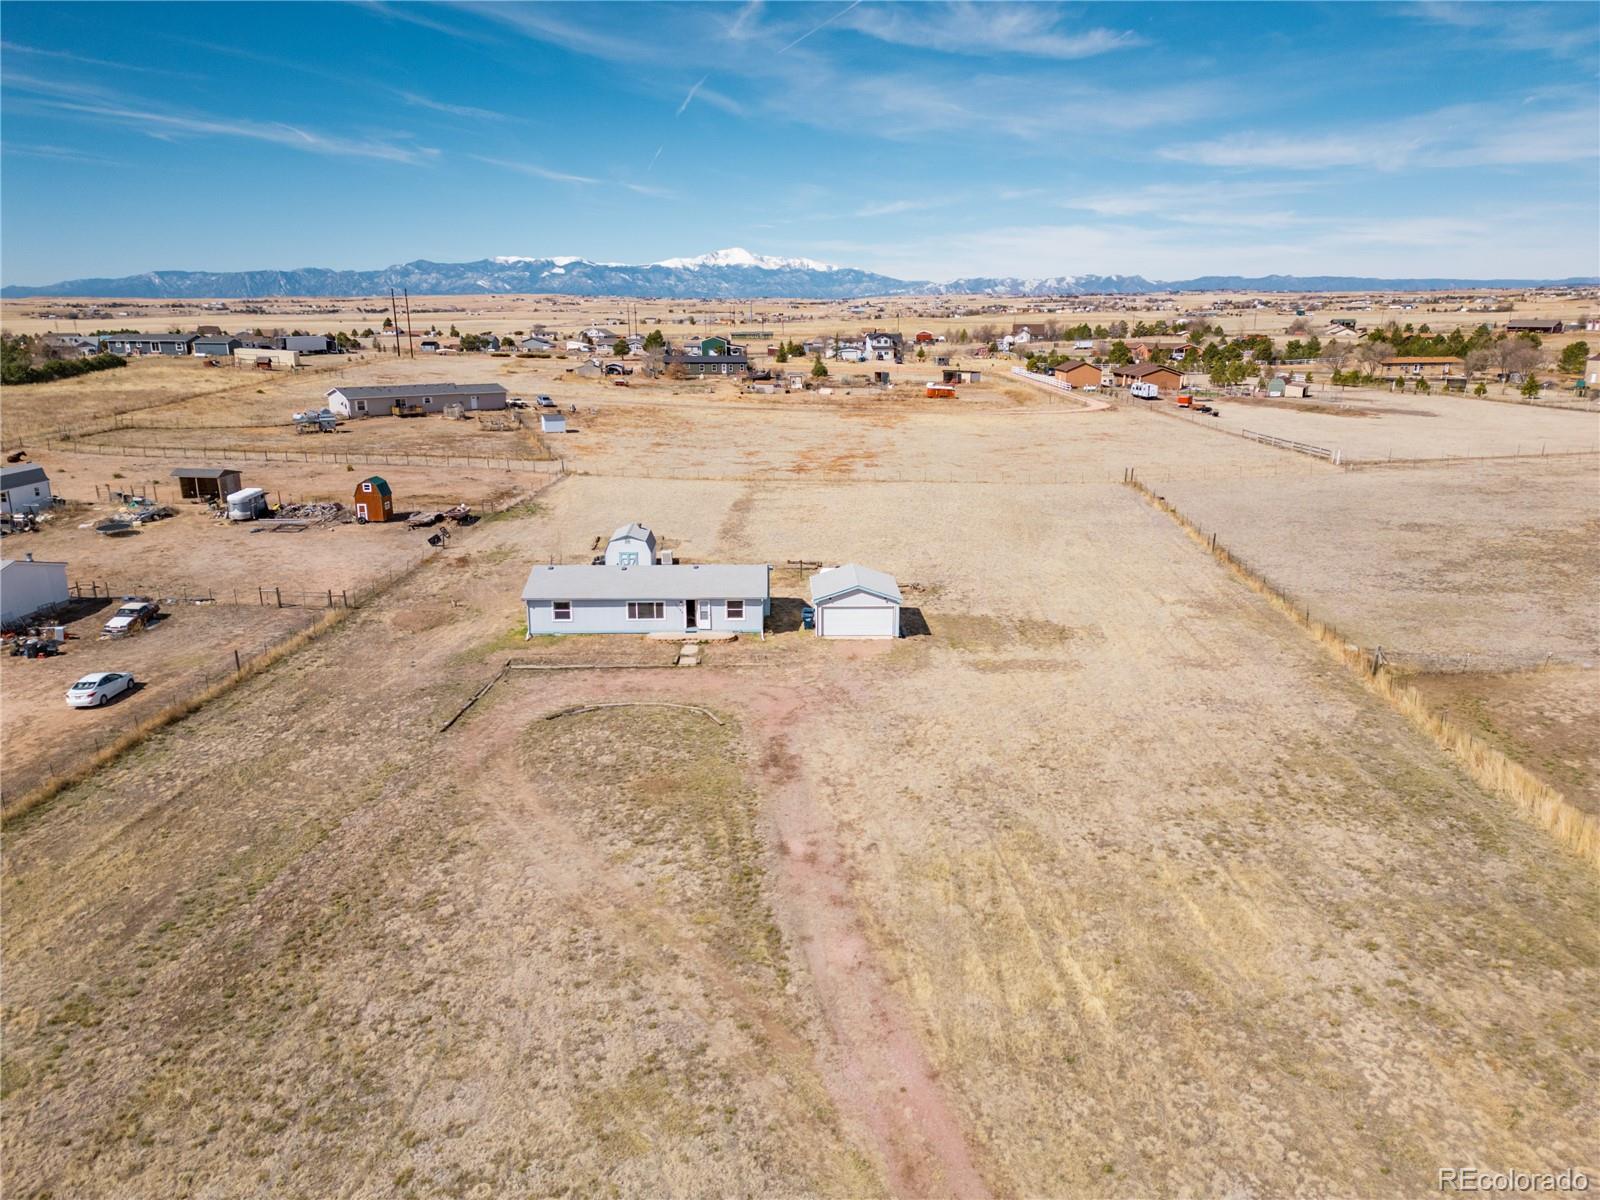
(729, 274)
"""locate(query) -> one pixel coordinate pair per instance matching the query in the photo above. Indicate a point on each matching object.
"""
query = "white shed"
(855, 601)
(24, 489)
(632, 545)
(28, 587)
(552, 423)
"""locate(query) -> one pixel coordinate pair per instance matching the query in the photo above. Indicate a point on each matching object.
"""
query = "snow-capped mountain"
(733, 273)
(738, 256)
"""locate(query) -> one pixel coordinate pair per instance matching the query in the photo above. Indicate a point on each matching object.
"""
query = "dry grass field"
(1108, 882)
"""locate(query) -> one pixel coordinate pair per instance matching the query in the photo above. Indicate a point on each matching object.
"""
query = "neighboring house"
(598, 335)
(1027, 333)
(439, 345)
(1533, 325)
(882, 347)
(536, 343)
(698, 362)
(1340, 333)
(1423, 366)
(207, 483)
(632, 593)
(304, 343)
(24, 489)
(430, 397)
(256, 356)
(71, 345)
(29, 587)
(856, 602)
(130, 345)
(631, 545)
(373, 500)
(1078, 374)
(209, 346)
(1157, 351)
(1591, 369)
(580, 347)
(1166, 379)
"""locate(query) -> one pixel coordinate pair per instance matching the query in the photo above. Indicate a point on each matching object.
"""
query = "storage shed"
(373, 500)
(29, 588)
(207, 483)
(631, 545)
(552, 423)
(855, 601)
(24, 489)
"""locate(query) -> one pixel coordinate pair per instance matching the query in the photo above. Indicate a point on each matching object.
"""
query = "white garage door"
(859, 622)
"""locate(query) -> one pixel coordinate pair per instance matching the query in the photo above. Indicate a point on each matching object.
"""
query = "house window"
(628, 558)
(646, 610)
(735, 610)
(561, 610)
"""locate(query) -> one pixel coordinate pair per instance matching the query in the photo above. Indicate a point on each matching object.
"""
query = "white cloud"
(896, 207)
(963, 27)
(1459, 136)
(538, 172)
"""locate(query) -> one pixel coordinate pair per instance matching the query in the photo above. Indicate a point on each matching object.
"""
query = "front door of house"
(688, 614)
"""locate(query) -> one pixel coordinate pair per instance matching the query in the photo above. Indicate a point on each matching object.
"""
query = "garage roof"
(684, 581)
(203, 472)
(837, 580)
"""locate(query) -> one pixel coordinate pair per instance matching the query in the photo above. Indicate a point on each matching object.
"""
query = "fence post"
(236, 664)
(279, 594)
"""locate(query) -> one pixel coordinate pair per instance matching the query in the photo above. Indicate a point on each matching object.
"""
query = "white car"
(94, 690)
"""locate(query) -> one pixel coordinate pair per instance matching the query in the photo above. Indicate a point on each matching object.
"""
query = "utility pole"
(394, 312)
(411, 346)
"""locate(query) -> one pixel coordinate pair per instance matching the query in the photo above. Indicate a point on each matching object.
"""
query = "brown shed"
(207, 483)
(1079, 373)
(374, 501)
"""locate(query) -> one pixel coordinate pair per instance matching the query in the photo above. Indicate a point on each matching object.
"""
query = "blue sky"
(925, 141)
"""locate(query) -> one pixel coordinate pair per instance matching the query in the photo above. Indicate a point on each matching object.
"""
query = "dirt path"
(878, 1070)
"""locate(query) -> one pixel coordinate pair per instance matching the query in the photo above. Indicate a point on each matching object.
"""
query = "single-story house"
(24, 489)
(597, 335)
(856, 601)
(536, 343)
(646, 597)
(130, 345)
(1533, 325)
(434, 345)
(1165, 378)
(1423, 366)
(208, 346)
(29, 587)
(430, 397)
(709, 364)
(373, 500)
(207, 483)
(1078, 374)
(1340, 333)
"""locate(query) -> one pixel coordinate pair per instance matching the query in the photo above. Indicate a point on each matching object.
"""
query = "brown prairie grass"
(1575, 829)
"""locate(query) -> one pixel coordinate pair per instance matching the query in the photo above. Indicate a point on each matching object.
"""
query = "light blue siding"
(611, 616)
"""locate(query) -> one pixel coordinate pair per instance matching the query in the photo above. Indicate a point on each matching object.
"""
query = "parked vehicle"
(100, 688)
(1144, 391)
(516, 402)
(544, 402)
(134, 614)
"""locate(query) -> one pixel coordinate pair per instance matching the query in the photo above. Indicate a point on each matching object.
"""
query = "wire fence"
(250, 595)
(126, 716)
(537, 466)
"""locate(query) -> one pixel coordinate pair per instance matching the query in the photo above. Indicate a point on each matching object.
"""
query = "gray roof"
(635, 530)
(418, 389)
(698, 581)
(203, 472)
(838, 580)
(147, 337)
(11, 477)
(29, 562)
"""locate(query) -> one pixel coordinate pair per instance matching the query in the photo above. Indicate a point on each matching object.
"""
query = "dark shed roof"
(203, 472)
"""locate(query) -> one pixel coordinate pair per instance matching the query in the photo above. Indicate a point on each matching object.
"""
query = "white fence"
(1332, 456)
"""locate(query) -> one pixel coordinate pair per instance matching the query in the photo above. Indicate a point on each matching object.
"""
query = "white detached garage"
(855, 601)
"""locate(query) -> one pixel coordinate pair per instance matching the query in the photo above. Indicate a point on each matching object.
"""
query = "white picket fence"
(1269, 439)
